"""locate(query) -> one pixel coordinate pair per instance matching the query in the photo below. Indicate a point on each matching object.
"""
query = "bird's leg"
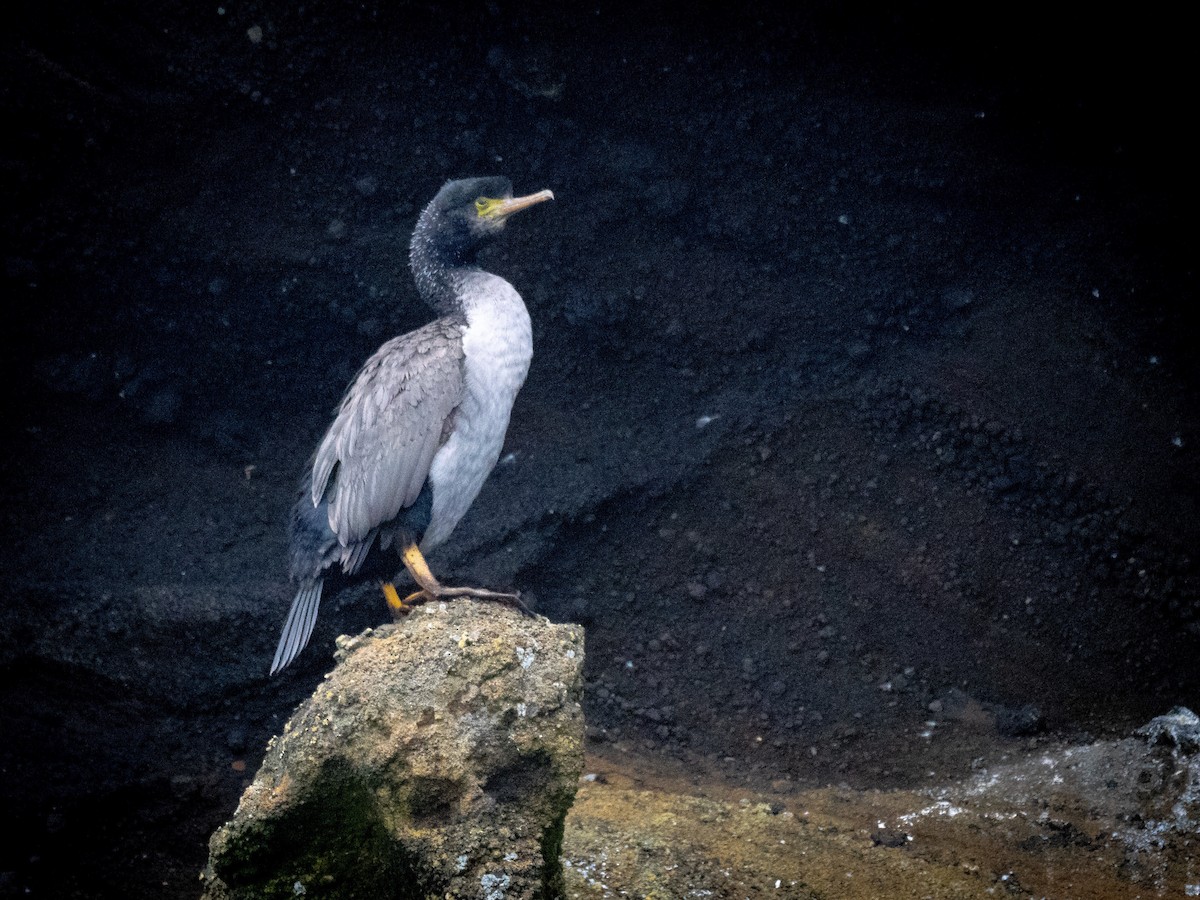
(397, 606)
(431, 588)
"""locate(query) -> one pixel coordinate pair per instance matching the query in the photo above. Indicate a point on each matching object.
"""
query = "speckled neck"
(440, 259)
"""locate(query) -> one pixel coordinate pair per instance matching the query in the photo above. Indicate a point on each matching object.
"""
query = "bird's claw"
(398, 607)
(513, 599)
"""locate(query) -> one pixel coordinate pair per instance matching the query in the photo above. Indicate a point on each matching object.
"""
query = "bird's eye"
(486, 207)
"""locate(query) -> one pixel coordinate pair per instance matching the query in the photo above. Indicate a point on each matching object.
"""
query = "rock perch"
(438, 759)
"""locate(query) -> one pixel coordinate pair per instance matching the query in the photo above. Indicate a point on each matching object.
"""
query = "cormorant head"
(465, 214)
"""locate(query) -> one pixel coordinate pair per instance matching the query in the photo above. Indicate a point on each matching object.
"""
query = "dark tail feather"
(299, 625)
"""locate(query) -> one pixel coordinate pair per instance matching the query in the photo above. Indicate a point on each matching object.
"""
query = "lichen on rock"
(438, 759)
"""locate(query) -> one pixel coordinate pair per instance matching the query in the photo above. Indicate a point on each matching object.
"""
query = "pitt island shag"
(422, 424)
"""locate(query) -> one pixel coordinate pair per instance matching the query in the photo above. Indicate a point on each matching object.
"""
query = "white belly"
(497, 348)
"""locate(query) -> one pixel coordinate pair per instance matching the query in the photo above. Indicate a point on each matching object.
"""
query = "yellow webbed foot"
(395, 605)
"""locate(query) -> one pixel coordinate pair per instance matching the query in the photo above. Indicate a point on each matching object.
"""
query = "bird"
(421, 425)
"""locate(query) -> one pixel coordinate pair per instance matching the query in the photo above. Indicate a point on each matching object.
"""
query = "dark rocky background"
(863, 394)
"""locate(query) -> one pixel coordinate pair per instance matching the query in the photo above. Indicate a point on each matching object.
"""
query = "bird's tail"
(299, 625)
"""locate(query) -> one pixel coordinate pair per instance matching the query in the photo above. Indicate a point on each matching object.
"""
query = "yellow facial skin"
(485, 207)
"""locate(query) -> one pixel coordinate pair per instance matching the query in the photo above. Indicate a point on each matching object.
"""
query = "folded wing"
(376, 455)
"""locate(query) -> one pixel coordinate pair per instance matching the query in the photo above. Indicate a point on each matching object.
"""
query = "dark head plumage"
(460, 219)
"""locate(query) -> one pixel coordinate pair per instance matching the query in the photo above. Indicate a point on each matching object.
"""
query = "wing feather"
(376, 456)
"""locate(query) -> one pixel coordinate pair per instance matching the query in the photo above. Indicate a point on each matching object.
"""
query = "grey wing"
(376, 455)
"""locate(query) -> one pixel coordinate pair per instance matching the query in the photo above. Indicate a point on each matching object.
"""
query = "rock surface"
(1090, 821)
(439, 758)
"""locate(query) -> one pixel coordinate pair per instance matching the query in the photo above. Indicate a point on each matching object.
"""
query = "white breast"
(497, 348)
